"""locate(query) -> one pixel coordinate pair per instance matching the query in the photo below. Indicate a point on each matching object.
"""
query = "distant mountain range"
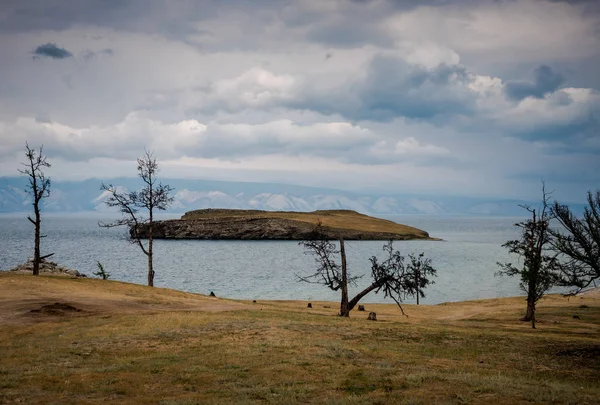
(82, 196)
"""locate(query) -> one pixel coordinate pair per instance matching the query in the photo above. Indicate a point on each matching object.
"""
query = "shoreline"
(593, 292)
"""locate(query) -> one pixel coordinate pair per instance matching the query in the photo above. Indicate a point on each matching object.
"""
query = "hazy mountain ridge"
(196, 194)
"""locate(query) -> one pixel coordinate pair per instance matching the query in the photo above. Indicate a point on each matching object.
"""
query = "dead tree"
(540, 269)
(578, 243)
(39, 188)
(391, 276)
(152, 197)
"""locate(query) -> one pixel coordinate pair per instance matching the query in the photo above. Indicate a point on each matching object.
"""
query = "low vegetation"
(82, 341)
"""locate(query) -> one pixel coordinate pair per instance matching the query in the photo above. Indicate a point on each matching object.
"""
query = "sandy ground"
(21, 294)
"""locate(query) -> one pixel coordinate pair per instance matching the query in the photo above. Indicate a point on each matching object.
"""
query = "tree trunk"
(344, 309)
(530, 314)
(150, 271)
(36, 250)
(417, 280)
(361, 294)
(150, 267)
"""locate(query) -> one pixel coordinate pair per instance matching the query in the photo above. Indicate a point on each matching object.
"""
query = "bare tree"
(579, 242)
(540, 269)
(153, 196)
(39, 188)
(392, 276)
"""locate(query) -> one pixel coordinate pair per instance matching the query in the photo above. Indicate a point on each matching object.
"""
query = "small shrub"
(101, 272)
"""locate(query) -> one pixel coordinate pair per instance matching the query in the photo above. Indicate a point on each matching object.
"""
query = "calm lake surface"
(466, 260)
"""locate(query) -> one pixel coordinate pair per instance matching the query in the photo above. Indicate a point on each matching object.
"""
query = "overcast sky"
(478, 98)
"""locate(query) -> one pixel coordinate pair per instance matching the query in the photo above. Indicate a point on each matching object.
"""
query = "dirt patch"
(56, 309)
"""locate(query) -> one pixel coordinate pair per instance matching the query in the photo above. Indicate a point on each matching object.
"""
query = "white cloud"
(123, 140)
(256, 87)
(337, 140)
(560, 116)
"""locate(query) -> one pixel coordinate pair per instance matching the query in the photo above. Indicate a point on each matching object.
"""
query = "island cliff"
(268, 225)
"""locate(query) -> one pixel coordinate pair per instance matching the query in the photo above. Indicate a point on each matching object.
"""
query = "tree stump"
(372, 316)
(361, 307)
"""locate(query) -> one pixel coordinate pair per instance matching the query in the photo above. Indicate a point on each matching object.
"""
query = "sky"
(466, 98)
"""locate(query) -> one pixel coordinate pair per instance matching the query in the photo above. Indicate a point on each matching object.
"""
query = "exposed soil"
(582, 352)
(56, 309)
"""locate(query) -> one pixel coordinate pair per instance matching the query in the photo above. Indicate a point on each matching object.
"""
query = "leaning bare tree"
(152, 197)
(39, 188)
(540, 269)
(392, 276)
(579, 243)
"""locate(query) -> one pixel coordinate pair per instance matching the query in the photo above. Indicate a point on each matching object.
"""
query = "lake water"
(466, 260)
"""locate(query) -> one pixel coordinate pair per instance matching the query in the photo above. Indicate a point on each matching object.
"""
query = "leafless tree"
(579, 243)
(392, 275)
(39, 188)
(152, 197)
(540, 269)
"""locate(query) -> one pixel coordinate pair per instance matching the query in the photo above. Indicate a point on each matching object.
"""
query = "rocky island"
(280, 225)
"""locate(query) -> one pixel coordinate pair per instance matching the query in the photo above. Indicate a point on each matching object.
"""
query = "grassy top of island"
(257, 224)
(77, 340)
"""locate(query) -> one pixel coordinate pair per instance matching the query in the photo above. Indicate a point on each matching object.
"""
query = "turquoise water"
(465, 260)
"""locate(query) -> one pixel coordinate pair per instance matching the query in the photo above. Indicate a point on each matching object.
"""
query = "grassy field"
(337, 219)
(129, 344)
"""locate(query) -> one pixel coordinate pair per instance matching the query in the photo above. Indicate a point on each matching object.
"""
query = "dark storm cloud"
(128, 15)
(393, 89)
(351, 23)
(51, 50)
(545, 81)
(568, 134)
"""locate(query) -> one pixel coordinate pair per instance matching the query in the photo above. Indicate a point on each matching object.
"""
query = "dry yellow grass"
(339, 219)
(132, 344)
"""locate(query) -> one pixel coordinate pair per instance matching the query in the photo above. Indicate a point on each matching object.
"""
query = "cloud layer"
(475, 97)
